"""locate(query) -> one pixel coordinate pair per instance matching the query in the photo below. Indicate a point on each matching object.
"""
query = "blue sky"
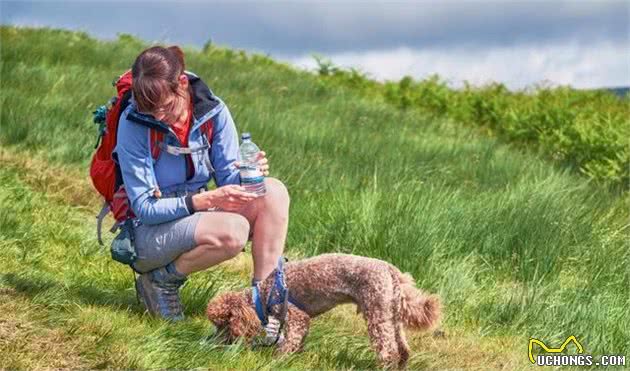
(582, 43)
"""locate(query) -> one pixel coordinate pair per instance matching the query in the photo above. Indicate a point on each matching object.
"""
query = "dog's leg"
(378, 308)
(297, 328)
(383, 338)
(401, 341)
(403, 347)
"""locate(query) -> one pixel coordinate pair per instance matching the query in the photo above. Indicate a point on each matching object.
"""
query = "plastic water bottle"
(252, 178)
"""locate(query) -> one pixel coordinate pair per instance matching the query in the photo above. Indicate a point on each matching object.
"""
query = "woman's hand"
(263, 164)
(231, 197)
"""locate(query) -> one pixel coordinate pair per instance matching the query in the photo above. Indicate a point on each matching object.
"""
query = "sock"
(170, 268)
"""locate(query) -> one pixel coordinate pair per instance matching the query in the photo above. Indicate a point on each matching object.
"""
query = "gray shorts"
(159, 244)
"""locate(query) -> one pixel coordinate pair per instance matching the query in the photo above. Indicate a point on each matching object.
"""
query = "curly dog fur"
(386, 297)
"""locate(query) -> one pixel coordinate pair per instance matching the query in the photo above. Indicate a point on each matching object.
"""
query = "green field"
(516, 245)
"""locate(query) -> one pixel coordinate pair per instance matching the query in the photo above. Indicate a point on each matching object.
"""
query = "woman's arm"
(136, 165)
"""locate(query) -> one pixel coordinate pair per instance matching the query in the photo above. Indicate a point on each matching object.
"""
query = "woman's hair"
(155, 74)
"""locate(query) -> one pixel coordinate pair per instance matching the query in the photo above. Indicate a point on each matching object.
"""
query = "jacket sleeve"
(224, 150)
(136, 165)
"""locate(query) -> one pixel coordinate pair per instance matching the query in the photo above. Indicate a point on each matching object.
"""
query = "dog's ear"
(243, 319)
(219, 309)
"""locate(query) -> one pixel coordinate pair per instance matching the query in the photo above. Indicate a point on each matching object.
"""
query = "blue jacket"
(142, 175)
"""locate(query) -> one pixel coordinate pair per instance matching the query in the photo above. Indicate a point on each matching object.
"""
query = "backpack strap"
(156, 138)
(158, 144)
(207, 129)
(99, 222)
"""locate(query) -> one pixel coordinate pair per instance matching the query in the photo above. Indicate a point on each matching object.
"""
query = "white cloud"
(575, 64)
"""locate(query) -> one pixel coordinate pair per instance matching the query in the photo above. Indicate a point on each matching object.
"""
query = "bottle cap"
(246, 136)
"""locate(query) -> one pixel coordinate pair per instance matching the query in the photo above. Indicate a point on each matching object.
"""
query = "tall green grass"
(516, 247)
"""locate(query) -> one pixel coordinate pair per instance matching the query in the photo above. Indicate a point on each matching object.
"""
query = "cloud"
(337, 26)
(518, 42)
(601, 64)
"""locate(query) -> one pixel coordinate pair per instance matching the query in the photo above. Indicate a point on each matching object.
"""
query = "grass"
(65, 317)
(516, 247)
(585, 131)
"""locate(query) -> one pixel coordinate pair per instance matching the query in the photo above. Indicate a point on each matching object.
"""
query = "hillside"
(516, 246)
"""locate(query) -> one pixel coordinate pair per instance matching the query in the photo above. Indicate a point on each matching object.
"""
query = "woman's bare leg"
(268, 217)
(220, 236)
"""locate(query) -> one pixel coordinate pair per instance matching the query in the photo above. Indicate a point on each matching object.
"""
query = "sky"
(585, 44)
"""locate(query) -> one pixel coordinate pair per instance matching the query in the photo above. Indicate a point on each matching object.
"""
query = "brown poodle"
(386, 297)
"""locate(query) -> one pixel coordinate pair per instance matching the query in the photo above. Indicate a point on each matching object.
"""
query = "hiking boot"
(273, 329)
(273, 332)
(159, 292)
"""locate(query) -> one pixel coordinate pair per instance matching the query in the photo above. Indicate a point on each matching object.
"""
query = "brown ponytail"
(155, 74)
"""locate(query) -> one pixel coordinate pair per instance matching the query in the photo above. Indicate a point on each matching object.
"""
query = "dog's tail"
(417, 309)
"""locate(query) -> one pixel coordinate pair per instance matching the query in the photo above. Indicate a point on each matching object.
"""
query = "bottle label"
(251, 175)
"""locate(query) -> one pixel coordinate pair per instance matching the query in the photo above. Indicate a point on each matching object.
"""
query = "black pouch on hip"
(123, 249)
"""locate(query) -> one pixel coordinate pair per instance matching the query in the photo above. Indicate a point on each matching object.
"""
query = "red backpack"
(104, 169)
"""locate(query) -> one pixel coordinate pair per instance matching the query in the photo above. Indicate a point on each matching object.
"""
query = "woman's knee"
(276, 201)
(277, 189)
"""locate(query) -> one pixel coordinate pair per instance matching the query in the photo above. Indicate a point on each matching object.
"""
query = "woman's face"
(174, 105)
